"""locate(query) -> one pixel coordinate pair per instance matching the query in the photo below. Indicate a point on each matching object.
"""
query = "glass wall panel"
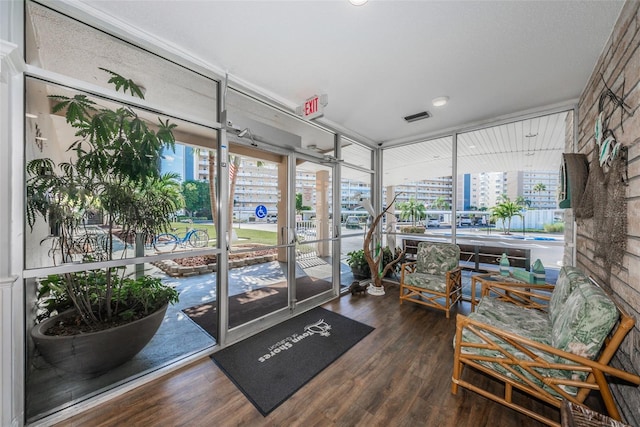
(355, 192)
(508, 178)
(60, 44)
(85, 187)
(419, 177)
(97, 193)
(52, 386)
(356, 154)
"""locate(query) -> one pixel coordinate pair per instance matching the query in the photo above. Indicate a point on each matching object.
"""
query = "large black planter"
(95, 352)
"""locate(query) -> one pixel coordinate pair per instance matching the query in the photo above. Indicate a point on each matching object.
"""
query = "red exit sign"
(310, 107)
(313, 107)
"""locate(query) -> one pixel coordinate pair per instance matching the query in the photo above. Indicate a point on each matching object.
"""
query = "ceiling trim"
(484, 124)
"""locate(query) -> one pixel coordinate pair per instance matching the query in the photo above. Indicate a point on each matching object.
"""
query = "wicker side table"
(573, 415)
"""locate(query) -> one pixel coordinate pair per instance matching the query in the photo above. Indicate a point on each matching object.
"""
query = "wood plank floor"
(399, 375)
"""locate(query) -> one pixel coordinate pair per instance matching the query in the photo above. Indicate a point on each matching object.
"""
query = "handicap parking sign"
(261, 211)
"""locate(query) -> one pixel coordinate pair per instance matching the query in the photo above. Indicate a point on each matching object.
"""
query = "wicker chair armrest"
(407, 267)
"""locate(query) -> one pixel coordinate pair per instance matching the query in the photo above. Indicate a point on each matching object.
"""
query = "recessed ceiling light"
(472, 146)
(440, 101)
(357, 2)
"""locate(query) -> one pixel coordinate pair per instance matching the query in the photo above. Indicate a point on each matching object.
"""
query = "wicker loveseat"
(553, 346)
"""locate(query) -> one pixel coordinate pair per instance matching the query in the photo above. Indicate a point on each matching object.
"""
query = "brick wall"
(619, 61)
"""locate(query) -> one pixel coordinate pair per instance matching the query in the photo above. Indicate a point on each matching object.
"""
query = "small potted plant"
(358, 263)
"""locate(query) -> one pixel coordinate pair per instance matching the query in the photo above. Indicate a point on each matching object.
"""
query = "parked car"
(352, 222)
(433, 223)
(464, 221)
(272, 218)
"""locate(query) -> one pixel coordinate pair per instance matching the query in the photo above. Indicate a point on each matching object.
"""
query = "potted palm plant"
(114, 170)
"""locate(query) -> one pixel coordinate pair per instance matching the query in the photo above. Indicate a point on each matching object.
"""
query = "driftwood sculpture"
(374, 260)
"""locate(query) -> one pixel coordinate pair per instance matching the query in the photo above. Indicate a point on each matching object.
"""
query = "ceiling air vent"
(418, 116)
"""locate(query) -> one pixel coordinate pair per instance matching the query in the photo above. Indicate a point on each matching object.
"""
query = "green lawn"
(246, 235)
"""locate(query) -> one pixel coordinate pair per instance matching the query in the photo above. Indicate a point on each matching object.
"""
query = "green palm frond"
(125, 84)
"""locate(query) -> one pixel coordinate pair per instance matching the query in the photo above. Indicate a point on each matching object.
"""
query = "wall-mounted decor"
(574, 171)
(608, 146)
(604, 199)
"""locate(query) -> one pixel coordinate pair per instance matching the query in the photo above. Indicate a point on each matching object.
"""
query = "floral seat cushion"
(529, 323)
(426, 281)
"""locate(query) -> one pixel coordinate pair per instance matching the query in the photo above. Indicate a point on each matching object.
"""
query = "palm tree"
(504, 211)
(539, 188)
(521, 201)
(440, 203)
(412, 209)
(234, 165)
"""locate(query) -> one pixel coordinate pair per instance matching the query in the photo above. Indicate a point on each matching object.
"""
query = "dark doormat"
(272, 365)
(250, 305)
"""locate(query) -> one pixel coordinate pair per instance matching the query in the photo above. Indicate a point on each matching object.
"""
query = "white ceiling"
(388, 59)
(377, 63)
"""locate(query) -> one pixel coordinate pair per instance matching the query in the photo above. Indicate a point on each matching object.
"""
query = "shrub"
(556, 227)
(412, 229)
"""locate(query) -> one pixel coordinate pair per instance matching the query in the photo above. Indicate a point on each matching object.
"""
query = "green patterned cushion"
(568, 280)
(534, 325)
(426, 281)
(529, 323)
(585, 321)
(437, 258)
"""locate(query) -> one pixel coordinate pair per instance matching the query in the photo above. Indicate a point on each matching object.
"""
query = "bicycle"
(167, 242)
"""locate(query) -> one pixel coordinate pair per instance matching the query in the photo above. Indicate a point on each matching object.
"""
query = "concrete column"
(322, 212)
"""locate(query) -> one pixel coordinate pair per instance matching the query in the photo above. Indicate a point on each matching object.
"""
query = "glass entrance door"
(314, 230)
(260, 242)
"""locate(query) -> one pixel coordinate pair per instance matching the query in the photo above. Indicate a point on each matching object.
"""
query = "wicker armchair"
(435, 278)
